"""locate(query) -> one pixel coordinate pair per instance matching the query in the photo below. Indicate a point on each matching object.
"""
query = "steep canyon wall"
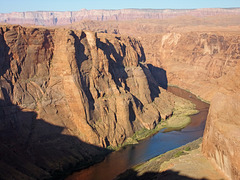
(66, 94)
(222, 136)
(60, 76)
(206, 62)
(195, 60)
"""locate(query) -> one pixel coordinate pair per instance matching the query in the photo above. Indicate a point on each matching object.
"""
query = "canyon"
(201, 55)
(66, 95)
(221, 138)
(101, 77)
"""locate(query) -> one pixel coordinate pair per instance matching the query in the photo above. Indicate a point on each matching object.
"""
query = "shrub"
(179, 153)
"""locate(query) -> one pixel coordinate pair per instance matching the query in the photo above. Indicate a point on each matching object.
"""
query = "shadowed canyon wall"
(194, 52)
(195, 60)
(76, 74)
(64, 94)
(203, 58)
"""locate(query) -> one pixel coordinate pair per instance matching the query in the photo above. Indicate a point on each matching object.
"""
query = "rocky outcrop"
(207, 63)
(221, 137)
(203, 59)
(194, 60)
(68, 83)
(50, 18)
(64, 94)
(206, 48)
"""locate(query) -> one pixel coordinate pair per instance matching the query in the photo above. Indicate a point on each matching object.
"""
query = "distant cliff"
(50, 18)
(194, 60)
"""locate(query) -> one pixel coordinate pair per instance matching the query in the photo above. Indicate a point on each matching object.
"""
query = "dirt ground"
(184, 163)
(194, 165)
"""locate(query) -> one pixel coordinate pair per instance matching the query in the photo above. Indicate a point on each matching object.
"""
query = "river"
(119, 161)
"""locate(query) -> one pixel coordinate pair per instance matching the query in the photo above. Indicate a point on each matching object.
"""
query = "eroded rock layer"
(194, 52)
(221, 140)
(207, 63)
(64, 94)
(195, 60)
(49, 18)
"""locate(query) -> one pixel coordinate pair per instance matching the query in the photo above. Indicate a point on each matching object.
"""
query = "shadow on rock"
(32, 148)
(116, 69)
(166, 175)
(4, 56)
(159, 75)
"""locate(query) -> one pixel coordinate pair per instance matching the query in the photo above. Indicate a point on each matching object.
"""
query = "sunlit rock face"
(98, 88)
(65, 94)
(194, 52)
(208, 65)
(194, 60)
(98, 84)
(222, 137)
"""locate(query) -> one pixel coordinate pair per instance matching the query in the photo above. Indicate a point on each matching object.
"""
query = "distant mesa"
(51, 18)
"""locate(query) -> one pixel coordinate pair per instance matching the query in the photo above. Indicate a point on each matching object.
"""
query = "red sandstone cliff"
(195, 52)
(64, 94)
(194, 58)
(77, 75)
(205, 61)
(221, 142)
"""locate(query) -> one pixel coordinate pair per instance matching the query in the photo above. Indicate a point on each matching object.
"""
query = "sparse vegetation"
(178, 154)
(153, 164)
(144, 133)
(179, 119)
(203, 100)
(138, 136)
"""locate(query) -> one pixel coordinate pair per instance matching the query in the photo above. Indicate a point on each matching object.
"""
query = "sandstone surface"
(222, 136)
(65, 94)
(203, 59)
(209, 52)
(199, 54)
(195, 52)
(196, 60)
(184, 163)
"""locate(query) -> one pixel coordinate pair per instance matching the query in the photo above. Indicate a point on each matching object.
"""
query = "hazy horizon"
(117, 9)
(73, 5)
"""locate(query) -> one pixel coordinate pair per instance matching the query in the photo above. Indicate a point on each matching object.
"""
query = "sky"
(7, 6)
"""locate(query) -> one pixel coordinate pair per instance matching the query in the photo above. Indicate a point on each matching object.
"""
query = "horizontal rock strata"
(50, 18)
(222, 136)
(65, 95)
